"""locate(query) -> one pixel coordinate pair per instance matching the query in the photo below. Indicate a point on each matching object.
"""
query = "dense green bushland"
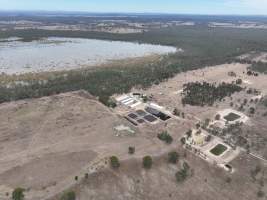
(200, 94)
(259, 67)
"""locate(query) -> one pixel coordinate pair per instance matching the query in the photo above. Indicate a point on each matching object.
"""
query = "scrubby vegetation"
(18, 194)
(265, 102)
(200, 94)
(183, 173)
(173, 157)
(165, 136)
(114, 162)
(259, 67)
(147, 162)
(69, 195)
(131, 150)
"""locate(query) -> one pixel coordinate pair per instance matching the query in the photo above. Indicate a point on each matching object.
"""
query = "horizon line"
(133, 13)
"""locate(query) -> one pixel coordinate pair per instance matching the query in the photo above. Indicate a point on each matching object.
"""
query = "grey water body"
(55, 54)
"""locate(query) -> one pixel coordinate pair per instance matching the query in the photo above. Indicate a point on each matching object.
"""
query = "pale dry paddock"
(46, 142)
(207, 182)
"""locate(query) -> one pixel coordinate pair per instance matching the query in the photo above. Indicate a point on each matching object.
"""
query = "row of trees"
(115, 163)
(173, 158)
(18, 194)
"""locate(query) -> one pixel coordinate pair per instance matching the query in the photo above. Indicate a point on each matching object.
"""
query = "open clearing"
(46, 142)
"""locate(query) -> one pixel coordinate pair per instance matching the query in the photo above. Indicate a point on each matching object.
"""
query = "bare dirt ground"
(207, 182)
(46, 142)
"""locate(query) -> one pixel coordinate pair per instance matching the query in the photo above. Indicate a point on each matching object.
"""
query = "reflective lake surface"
(52, 54)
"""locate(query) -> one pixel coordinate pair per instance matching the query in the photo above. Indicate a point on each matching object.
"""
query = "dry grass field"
(46, 142)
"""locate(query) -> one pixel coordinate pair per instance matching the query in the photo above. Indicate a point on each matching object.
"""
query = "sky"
(237, 7)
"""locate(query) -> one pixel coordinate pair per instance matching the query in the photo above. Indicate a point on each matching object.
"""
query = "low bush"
(114, 162)
(147, 162)
(165, 136)
(69, 195)
(173, 157)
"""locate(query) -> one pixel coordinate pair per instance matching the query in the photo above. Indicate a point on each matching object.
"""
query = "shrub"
(176, 112)
(208, 138)
(252, 110)
(206, 123)
(217, 117)
(173, 157)
(239, 81)
(131, 150)
(186, 166)
(260, 194)
(181, 175)
(189, 133)
(18, 194)
(183, 140)
(69, 195)
(147, 162)
(145, 99)
(164, 136)
(114, 162)
(111, 103)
